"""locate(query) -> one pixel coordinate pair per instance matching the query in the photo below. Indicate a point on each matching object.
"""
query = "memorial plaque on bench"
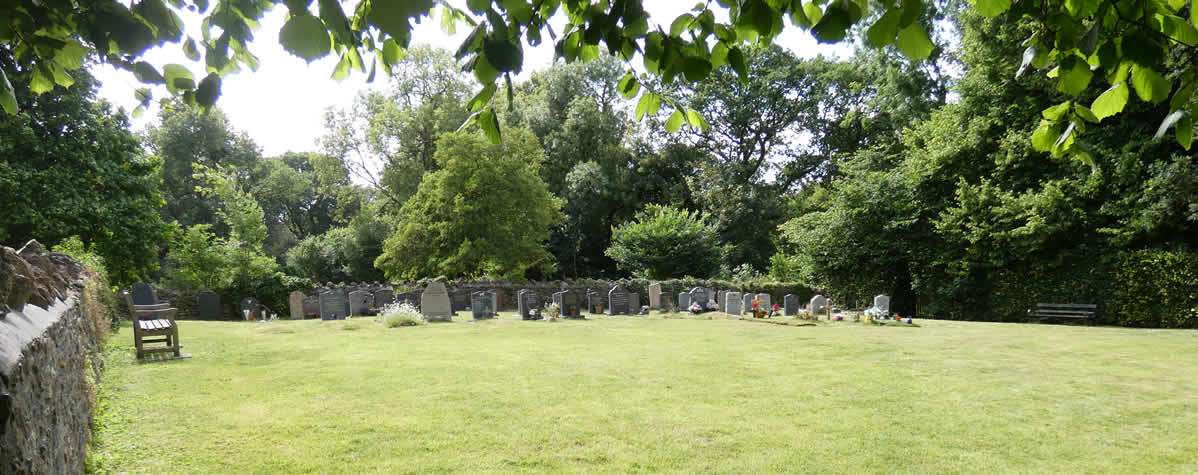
(528, 303)
(732, 303)
(790, 304)
(480, 306)
(208, 306)
(617, 301)
(434, 303)
(332, 305)
(360, 302)
(251, 309)
(295, 305)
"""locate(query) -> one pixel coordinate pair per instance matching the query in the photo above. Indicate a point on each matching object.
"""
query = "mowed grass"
(652, 394)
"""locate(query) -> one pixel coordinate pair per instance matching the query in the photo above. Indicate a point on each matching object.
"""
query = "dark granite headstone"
(360, 302)
(568, 302)
(790, 304)
(143, 294)
(311, 306)
(699, 296)
(411, 297)
(332, 305)
(480, 305)
(529, 304)
(594, 301)
(208, 306)
(383, 297)
(251, 309)
(459, 299)
(618, 302)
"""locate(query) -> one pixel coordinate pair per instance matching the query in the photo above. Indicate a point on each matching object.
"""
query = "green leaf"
(719, 55)
(490, 125)
(1110, 102)
(342, 69)
(391, 16)
(674, 123)
(1081, 8)
(61, 77)
(696, 120)
(814, 14)
(145, 72)
(392, 53)
(628, 85)
(481, 99)
(305, 36)
(695, 68)
(504, 54)
(991, 8)
(736, 59)
(208, 91)
(478, 6)
(42, 80)
(1075, 76)
(1178, 29)
(914, 42)
(178, 78)
(190, 50)
(648, 104)
(1185, 131)
(8, 97)
(1149, 85)
(834, 26)
(1044, 136)
(680, 24)
(483, 71)
(883, 31)
(1085, 113)
(1169, 121)
(71, 54)
(1055, 113)
(143, 96)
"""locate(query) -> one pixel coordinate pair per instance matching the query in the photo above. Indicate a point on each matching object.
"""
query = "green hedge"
(1158, 289)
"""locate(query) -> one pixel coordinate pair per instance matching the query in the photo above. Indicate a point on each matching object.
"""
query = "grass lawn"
(618, 394)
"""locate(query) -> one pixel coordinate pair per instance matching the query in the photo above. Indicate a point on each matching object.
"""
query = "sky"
(281, 106)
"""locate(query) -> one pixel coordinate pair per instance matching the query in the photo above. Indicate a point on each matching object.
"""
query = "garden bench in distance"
(1081, 311)
(154, 324)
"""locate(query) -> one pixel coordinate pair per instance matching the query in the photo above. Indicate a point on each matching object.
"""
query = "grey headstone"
(494, 301)
(746, 302)
(383, 297)
(411, 297)
(434, 303)
(568, 302)
(332, 305)
(732, 303)
(480, 306)
(818, 305)
(634, 303)
(208, 306)
(528, 303)
(360, 302)
(617, 301)
(790, 304)
(765, 302)
(253, 306)
(295, 303)
(882, 302)
(143, 294)
(684, 302)
(699, 296)
(311, 306)
(655, 295)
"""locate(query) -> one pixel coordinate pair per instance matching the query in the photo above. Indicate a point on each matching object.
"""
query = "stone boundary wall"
(49, 361)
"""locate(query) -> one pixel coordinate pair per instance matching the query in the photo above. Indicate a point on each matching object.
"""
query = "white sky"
(281, 106)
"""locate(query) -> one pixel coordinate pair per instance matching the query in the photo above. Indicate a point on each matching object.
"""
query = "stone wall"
(50, 335)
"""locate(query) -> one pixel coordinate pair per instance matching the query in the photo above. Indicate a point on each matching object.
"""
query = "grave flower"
(695, 308)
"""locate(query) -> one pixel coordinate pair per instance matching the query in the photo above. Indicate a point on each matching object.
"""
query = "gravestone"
(699, 296)
(253, 306)
(732, 303)
(790, 304)
(332, 305)
(817, 306)
(634, 303)
(295, 303)
(460, 300)
(746, 302)
(410, 297)
(684, 301)
(617, 301)
(383, 297)
(311, 306)
(882, 302)
(480, 306)
(655, 295)
(434, 303)
(568, 302)
(360, 302)
(143, 294)
(766, 304)
(594, 301)
(208, 306)
(529, 304)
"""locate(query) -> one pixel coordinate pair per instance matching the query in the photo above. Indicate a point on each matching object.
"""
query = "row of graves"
(700, 299)
(436, 305)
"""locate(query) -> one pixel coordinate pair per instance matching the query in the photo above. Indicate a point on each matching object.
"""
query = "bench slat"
(1068, 305)
(1064, 312)
(1060, 316)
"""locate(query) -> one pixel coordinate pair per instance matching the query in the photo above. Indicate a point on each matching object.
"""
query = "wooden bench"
(154, 324)
(1080, 311)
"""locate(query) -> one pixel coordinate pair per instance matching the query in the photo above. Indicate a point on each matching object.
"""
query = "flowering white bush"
(400, 314)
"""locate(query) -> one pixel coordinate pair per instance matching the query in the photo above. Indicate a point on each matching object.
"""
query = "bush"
(400, 314)
(666, 242)
(1157, 289)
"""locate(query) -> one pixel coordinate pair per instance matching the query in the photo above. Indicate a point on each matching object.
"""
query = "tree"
(666, 242)
(302, 195)
(54, 37)
(486, 211)
(70, 167)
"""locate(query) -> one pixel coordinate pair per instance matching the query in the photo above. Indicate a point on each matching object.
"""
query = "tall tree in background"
(70, 167)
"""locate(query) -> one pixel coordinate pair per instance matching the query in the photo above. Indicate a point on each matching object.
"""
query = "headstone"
(208, 306)
(434, 303)
(699, 296)
(766, 304)
(459, 300)
(684, 302)
(332, 305)
(410, 297)
(568, 302)
(818, 305)
(311, 306)
(480, 306)
(528, 303)
(634, 303)
(732, 303)
(790, 304)
(882, 302)
(655, 295)
(494, 301)
(617, 301)
(143, 294)
(254, 308)
(383, 297)
(295, 303)
(360, 302)
(746, 303)
(594, 301)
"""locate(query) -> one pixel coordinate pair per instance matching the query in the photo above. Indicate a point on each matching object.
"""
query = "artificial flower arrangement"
(711, 305)
(776, 310)
(695, 308)
(553, 311)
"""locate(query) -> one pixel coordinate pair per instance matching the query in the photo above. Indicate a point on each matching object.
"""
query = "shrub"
(666, 242)
(400, 314)
(1157, 289)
